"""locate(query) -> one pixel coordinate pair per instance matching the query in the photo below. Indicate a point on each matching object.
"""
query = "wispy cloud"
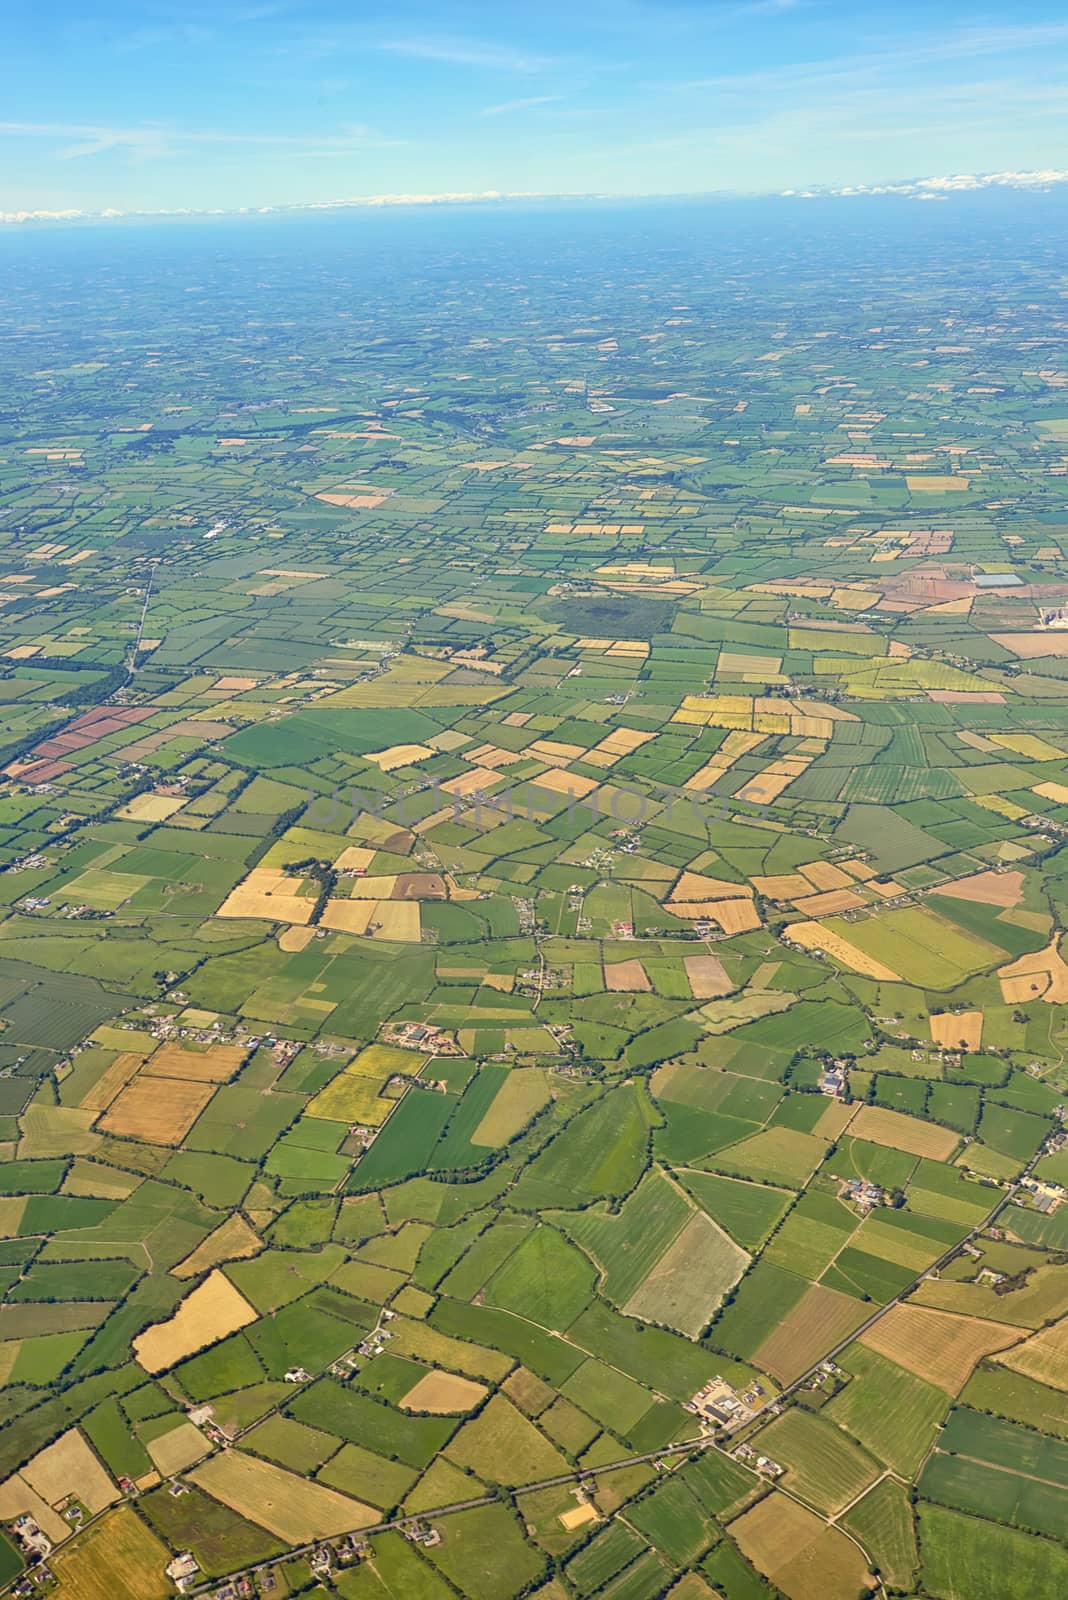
(529, 103)
(147, 141)
(467, 53)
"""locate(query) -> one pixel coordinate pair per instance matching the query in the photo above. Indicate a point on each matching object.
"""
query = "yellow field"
(100, 1094)
(1051, 791)
(733, 916)
(16, 1497)
(232, 1240)
(295, 1509)
(117, 1559)
(268, 892)
(157, 1110)
(1044, 1356)
(955, 1031)
(935, 483)
(1042, 976)
(830, 903)
(213, 1065)
(182, 1447)
(940, 1346)
(69, 1467)
(811, 936)
(902, 1132)
(211, 1312)
(151, 807)
(399, 755)
(579, 1516)
(378, 919)
(443, 1393)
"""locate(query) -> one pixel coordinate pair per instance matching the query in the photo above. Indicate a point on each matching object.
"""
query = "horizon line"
(939, 188)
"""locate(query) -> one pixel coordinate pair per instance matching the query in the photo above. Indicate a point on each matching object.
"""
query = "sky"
(112, 105)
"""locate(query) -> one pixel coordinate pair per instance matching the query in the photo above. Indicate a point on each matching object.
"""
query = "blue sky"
(108, 104)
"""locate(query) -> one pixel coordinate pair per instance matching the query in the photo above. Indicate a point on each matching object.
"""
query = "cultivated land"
(533, 888)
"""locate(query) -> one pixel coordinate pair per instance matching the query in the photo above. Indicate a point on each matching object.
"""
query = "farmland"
(533, 878)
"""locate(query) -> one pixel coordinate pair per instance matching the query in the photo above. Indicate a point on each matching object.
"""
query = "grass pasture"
(968, 1558)
(823, 1465)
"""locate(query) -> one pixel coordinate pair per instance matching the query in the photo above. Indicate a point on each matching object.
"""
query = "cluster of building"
(420, 1036)
(1043, 1196)
(720, 1406)
(762, 1464)
(862, 1194)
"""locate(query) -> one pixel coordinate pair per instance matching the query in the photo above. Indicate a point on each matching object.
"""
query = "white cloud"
(467, 53)
(527, 104)
(942, 187)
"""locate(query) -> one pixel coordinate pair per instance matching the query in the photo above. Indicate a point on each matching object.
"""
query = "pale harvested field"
(821, 1318)
(769, 785)
(940, 1346)
(181, 1448)
(1033, 645)
(157, 1110)
(116, 1559)
(211, 1312)
(696, 886)
(293, 1508)
(100, 1094)
(935, 483)
(70, 1467)
(1002, 889)
(17, 1497)
(213, 1065)
(783, 886)
(398, 921)
(347, 916)
(557, 780)
(443, 1393)
(775, 1531)
(627, 977)
(1044, 1356)
(829, 903)
(361, 502)
(355, 858)
(824, 875)
(949, 1030)
(734, 745)
(804, 1558)
(232, 1240)
(478, 780)
(399, 755)
(152, 807)
(733, 916)
(707, 977)
(268, 892)
(906, 1133)
(1057, 792)
(811, 936)
(1043, 975)
(293, 939)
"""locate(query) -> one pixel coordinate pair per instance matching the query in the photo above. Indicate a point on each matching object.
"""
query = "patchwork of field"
(532, 878)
